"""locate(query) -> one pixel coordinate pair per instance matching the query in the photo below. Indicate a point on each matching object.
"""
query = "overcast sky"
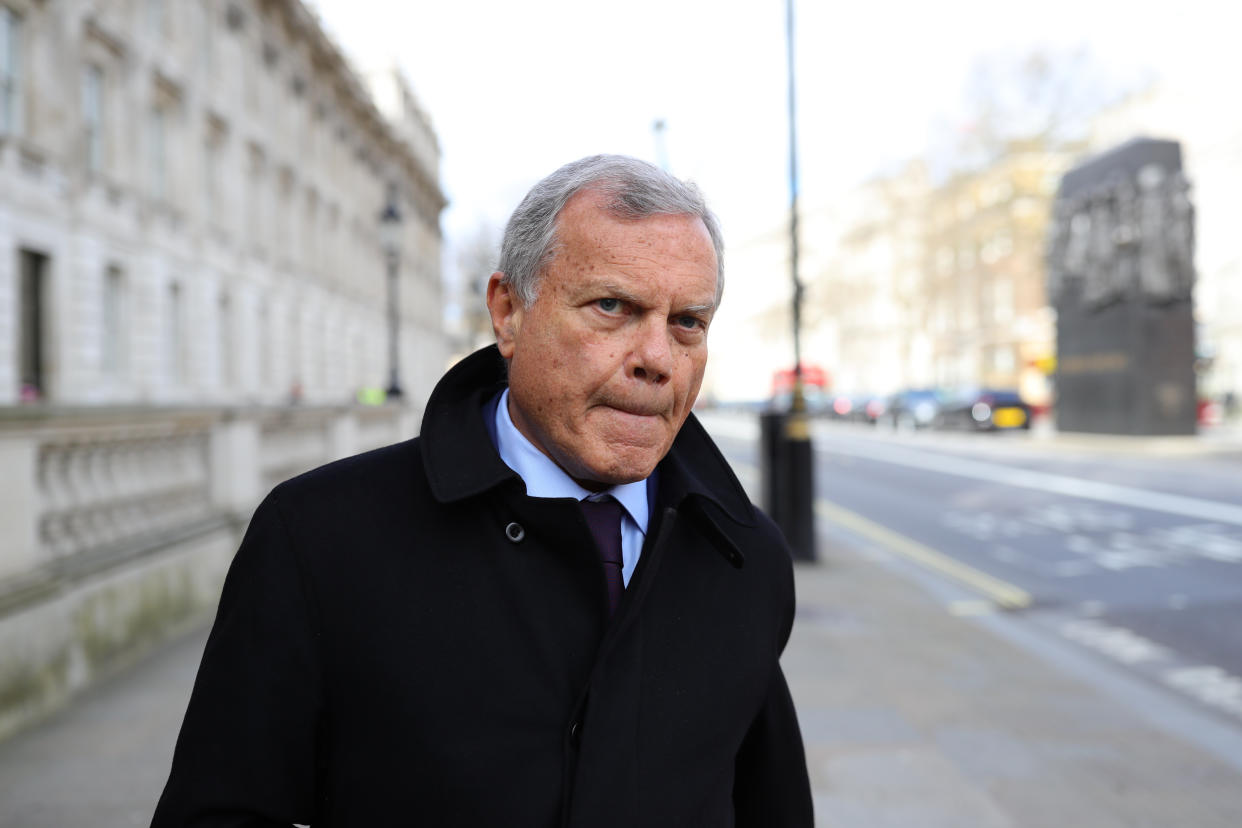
(515, 89)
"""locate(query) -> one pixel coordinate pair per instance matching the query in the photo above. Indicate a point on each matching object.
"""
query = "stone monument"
(1120, 275)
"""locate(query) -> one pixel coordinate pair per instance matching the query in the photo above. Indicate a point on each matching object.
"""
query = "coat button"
(515, 532)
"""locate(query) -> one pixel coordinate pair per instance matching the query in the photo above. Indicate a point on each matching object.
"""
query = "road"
(1129, 549)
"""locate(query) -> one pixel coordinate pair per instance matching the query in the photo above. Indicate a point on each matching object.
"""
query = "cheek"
(694, 363)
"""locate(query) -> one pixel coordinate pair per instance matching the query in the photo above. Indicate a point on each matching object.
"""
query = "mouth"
(636, 410)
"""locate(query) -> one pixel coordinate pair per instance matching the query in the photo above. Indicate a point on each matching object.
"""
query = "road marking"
(1003, 594)
(1211, 510)
(971, 608)
(1210, 685)
(1117, 642)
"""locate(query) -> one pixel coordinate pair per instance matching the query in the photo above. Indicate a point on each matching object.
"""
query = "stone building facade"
(985, 301)
(189, 203)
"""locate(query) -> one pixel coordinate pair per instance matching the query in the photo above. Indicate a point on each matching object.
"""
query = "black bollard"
(787, 478)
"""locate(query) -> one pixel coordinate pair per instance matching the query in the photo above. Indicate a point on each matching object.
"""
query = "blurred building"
(190, 243)
(864, 300)
(189, 203)
(1188, 109)
(984, 303)
(912, 282)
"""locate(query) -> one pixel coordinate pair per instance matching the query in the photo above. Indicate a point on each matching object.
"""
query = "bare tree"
(1045, 97)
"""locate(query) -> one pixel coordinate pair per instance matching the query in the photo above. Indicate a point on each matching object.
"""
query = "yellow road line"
(1005, 595)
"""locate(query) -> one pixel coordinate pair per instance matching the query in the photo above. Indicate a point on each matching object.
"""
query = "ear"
(506, 311)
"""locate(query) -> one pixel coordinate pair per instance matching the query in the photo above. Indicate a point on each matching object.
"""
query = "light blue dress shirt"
(543, 478)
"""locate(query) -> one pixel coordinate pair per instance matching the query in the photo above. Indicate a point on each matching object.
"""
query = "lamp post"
(788, 465)
(390, 240)
(799, 524)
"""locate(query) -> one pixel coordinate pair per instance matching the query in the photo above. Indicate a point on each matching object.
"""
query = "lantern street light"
(390, 241)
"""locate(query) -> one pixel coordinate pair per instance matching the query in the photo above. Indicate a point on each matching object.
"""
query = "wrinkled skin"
(606, 362)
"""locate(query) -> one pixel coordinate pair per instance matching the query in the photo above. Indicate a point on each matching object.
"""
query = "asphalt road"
(1130, 549)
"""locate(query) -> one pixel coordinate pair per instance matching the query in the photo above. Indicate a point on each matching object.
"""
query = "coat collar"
(461, 461)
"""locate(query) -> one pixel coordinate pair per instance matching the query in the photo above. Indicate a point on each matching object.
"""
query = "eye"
(609, 304)
(689, 322)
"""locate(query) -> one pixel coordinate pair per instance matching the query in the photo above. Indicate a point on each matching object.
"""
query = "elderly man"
(556, 607)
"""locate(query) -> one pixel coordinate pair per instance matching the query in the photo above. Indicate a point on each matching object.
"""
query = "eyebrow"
(625, 295)
(699, 310)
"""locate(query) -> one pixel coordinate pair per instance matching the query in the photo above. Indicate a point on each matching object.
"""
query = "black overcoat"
(406, 638)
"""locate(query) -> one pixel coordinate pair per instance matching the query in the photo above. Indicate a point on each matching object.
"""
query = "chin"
(628, 470)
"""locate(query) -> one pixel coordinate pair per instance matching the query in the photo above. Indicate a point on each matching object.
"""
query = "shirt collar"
(543, 478)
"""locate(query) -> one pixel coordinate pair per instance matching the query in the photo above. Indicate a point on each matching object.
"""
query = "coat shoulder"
(382, 474)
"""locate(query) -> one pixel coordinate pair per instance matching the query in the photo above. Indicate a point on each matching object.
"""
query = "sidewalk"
(103, 761)
(912, 717)
(915, 717)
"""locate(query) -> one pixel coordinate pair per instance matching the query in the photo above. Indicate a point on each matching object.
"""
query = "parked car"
(983, 409)
(869, 408)
(912, 409)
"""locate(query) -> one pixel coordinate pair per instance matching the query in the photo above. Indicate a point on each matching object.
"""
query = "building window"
(174, 335)
(213, 151)
(211, 161)
(1002, 301)
(113, 329)
(265, 347)
(32, 322)
(997, 247)
(10, 72)
(158, 155)
(93, 116)
(1003, 360)
(966, 256)
(225, 336)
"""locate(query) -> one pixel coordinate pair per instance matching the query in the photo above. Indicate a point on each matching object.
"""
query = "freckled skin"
(605, 364)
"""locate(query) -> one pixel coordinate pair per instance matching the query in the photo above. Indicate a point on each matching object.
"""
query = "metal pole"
(799, 401)
(394, 331)
(797, 516)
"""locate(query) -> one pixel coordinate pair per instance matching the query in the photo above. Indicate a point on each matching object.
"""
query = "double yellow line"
(998, 593)
(1002, 594)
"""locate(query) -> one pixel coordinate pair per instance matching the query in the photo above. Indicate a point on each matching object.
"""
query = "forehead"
(667, 250)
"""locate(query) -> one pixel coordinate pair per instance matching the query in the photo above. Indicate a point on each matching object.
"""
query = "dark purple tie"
(604, 518)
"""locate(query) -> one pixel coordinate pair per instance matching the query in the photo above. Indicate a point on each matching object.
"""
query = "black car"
(983, 409)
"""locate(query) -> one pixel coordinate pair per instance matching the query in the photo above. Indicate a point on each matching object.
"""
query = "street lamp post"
(390, 240)
(788, 467)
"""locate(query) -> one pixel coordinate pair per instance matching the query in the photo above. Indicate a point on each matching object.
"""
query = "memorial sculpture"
(1120, 265)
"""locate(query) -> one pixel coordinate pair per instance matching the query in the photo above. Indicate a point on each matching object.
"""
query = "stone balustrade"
(117, 525)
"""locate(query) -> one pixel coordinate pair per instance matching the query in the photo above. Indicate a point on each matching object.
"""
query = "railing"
(104, 486)
(83, 480)
(117, 525)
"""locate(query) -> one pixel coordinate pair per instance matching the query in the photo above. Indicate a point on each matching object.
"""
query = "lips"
(637, 410)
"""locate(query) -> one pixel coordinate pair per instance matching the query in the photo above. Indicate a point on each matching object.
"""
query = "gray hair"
(632, 189)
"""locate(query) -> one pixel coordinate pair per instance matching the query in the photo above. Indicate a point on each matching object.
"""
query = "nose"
(651, 356)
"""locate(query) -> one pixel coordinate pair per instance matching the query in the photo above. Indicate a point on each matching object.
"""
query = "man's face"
(606, 363)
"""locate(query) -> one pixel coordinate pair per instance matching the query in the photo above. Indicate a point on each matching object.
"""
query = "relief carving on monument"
(1131, 235)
